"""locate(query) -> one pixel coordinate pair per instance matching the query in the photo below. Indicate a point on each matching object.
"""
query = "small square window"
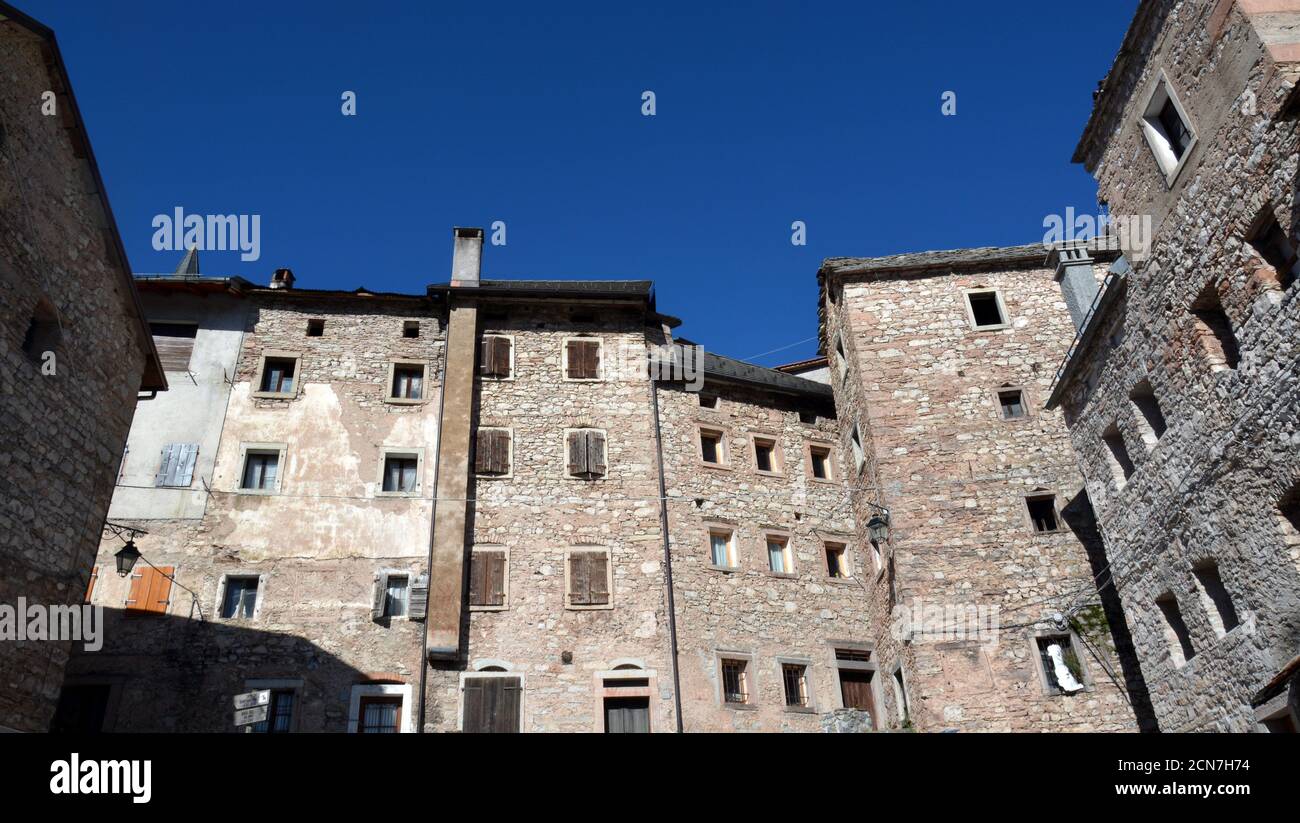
(986, 309)
(722, 549)
(1062, 670)
(1042, 513)
(407, 382)
(260, 470)
(1215, 598)
(1167, 130)
(765, 455)
(794, 678)
(411, 329)
(819, 458)
(240, 599)
(837, 561)
(1012, 402)
(712, 449)
(401, 473)
(1177, 636)
(735, 681)
(315, 328)
(859, 456)
(708, 401)
(808, 418)
(1276, 248)
(780, 559)
(278, 375)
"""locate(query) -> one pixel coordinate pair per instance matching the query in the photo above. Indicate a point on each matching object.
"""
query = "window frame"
(1160, 143)
(360, 690)
(189, 361)
(277, 354)
(280, 449)
(1076, 646)
(481, 671)
(1043, 494)
(609, 578)
(857, 448)
(750, 681)
(777, 454)
(806, 663)
(393, 366)
(832, 471)
(385, 452)
(733, 545)
(605, 685)
(257, 598)
(564, 358)
(1000, 302)
(284, 684)
(724, 450)
(786, 539)
(1000, 409)
(850, 567)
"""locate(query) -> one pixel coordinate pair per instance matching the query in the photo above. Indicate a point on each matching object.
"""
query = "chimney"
(1077, 279)
(282, 279)
(466, 255)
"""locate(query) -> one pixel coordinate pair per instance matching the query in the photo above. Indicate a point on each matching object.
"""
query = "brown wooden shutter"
(577, 453)
(474, 719)
(379, 596)
(583, 359)
(597, 578)
(496, 566)
(482, 452)
(501, 357)
(508, 702)
(501, 452)
(579, 589)
(485, 356)
(476, 575)
(150, 591)
(595, 452)
(90, 586)
(573, 359)
(175, 344)
(418, 603)
(593, 360)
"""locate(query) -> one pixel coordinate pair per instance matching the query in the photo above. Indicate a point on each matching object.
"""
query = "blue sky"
(468, 113)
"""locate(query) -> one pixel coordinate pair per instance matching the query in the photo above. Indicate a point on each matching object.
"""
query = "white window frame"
(386, 452)
(970, 311)
(361, 690)
(424, 383)
(1159, 143)
(257, 601)
(733, 545)
(281, 450)
(483, 337)
(275, 354)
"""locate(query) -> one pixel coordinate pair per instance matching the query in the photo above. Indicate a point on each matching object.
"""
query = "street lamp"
(126, 557)
(878, 527)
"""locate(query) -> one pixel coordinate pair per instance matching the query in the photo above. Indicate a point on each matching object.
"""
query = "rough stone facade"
(969, 584)
(75, 354)
(1195, 499)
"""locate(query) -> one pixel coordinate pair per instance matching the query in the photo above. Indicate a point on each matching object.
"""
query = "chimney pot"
(282, 279)
(466, 256)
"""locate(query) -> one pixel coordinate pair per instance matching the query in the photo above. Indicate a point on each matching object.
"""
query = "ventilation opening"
(1214, 330)
(1042, 512)
(315, 328)
(43, 332)
(1179, 639)
(1149, 416)
(1275, 248)
(1121, 464)
(1215, 598)
(985, 309)
(411, 328)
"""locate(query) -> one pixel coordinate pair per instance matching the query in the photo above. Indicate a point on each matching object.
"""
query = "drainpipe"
(668, 555)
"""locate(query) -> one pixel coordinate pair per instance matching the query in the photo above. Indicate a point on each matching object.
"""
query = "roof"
(153, 378)
(737, 371)
(803, 365)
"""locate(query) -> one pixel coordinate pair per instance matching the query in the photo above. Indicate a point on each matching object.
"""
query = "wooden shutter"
(496, 575)
(577, 453)
(166, 464)
(473, 720)
(418, 603)
(379, 596)
(476, 575)
(176, 466)
(584, 359)
(485, 359)
(506, 716)
(496, 356)
(175, 344)
(579, 589)
(597, 578)
(591, 361)
(150, 590)
(501, 452)
(482, 452)
(595, 452)
(90, 586)
(492, 705)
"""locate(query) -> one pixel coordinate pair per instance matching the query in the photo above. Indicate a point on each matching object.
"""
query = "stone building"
(76, 350)
(940, 363)
(283, 507)
(1181, 391)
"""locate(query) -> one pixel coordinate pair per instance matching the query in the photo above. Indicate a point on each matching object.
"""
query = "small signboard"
(248, 700)
(247, 717)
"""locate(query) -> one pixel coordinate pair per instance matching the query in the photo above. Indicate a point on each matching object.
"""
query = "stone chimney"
(1077, 279)
(466, 256)
(282, 279)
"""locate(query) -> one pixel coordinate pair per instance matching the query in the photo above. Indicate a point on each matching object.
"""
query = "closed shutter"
(510, 700)
(495, 568)
(482, 452)
(175, 344)
(150, 591)
(595, 453)
(90, 586)
(485, 356)
(583, 359)
(176, 466)
(579, 587)
(494, 357)
(492, 452)
(419, 602)
(477, 597)
(379, 596)
(492, 705)
(577, 453)
(597, 578)
(501, 452)
(502, 356)
(473, 719)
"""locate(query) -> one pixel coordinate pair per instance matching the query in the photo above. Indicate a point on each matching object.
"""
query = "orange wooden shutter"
(90, 587)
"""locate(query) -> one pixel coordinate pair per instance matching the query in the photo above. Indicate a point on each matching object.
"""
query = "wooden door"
(855, 688)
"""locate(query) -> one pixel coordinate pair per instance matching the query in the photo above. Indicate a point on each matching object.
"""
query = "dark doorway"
(627, 715)
(855, 689)
(81, 709)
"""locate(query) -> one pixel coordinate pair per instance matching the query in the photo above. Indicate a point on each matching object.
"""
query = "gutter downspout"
(433, 520)
(668, 557)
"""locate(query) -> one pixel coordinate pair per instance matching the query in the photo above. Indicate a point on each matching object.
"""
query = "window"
(1288, 511)
(766, 456)
(900, 699)
(808, 418)
(857, 675)
(780, 559)
(1215, 598)
(713, 450)
(176, 467)
(279, 713)
(278, 376)
(582, 359)
(44, 332)
(722, 548)
(392, 596)
(150, 591)
(1059, 664)
(239, 599)
(708, 401)
(491, 704)
(735, 681)
(175, 344)
(1150, 420)
(1176, 633)
(493, 452)
(379, 714)
(410, 329)
(837, 561)
(587, 579)
(841, 360)
(819, 462)
(401, 473)
(626, 704)
(794, 679)
(1275, 248)
(1166, 128)
(1012, 403)
(1042, 513)
(261, 468)
(315, 328)
(859, 456)
(496, 357)
(985, 307)
(407, 382)
(1121, 465)
(1213, 331)
(489, 581)
(586, 450)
